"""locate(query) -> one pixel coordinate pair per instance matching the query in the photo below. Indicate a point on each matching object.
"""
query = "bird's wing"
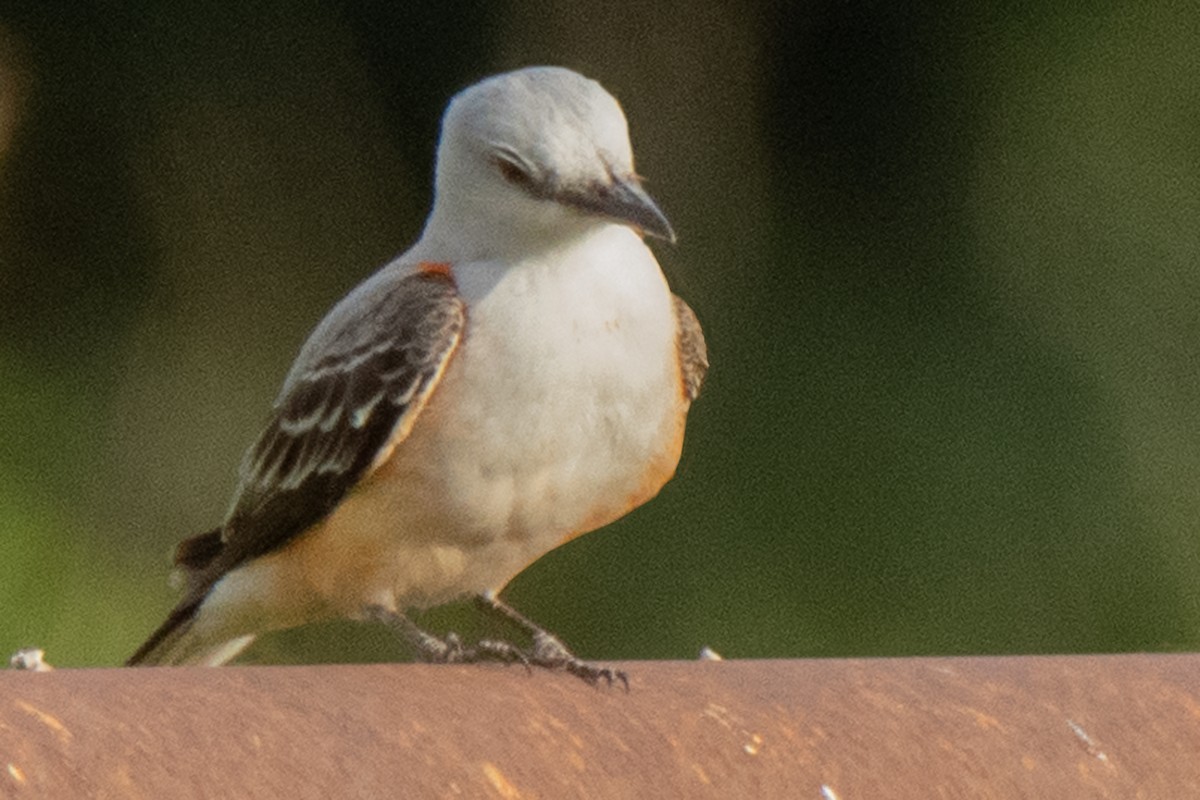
(344, 406)
(693, 353)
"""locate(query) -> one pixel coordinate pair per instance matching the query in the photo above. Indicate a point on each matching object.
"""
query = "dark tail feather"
(198, 552)
(156, 648)
(194, 557)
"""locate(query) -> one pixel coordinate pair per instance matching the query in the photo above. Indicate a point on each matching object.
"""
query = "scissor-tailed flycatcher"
(519, 377)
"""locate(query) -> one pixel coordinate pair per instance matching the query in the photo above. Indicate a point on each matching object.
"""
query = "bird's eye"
(512, 173)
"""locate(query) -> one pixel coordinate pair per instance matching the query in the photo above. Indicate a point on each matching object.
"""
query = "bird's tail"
(178, 641)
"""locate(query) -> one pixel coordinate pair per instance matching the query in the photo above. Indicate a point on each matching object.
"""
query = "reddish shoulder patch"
(435, 268)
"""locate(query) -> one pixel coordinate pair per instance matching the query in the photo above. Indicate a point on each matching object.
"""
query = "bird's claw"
(547, 652)
(550, 653)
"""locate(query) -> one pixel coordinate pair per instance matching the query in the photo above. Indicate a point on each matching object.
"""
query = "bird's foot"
(548, 650)
(550, 653)
(449, 649)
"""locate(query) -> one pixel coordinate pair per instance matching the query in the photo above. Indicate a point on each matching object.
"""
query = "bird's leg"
(449, 649)
(548, 650)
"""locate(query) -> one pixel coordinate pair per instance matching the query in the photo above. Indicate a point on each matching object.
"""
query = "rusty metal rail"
(1079, 726)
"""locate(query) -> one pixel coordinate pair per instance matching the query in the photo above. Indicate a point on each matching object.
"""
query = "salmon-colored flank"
(435, 268)
(659, 470)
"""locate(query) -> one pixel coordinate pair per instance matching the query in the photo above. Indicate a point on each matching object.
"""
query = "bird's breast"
(561, 410)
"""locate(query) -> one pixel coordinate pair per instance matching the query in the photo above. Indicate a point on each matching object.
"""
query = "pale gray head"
(541, 151)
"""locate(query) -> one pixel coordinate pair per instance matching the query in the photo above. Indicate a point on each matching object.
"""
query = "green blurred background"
(946, 261)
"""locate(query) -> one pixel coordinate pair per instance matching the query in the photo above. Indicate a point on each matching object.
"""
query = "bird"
(520, 376)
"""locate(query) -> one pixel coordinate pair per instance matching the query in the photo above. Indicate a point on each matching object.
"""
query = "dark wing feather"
(693, 353)
(366, 373)
(335, 417)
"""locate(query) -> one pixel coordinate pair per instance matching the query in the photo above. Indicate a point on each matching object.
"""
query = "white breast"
(560, 411)
(563, 388)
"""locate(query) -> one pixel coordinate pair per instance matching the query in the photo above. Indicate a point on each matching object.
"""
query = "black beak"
(624, 200)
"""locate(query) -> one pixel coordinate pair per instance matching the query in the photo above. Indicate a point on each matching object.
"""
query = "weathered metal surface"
(1061, 727)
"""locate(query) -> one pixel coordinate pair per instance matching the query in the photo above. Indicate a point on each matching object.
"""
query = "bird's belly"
(486, 483)
(561, 409)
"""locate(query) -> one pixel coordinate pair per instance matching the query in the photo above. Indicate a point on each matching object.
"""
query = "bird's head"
(541, 151)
